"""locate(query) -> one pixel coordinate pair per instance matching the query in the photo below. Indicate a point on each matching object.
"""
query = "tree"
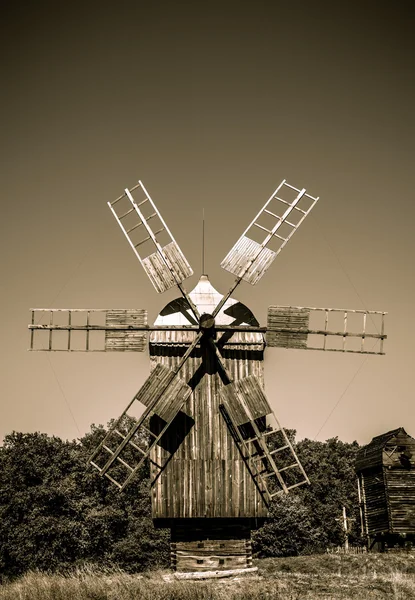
(54, 512)
(40, 506)
(305, 520)
(330, 467)
(289, 531)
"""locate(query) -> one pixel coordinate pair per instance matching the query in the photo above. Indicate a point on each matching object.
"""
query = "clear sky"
(211, 104)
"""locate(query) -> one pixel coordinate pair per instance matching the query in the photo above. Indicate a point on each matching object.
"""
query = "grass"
(319, 577)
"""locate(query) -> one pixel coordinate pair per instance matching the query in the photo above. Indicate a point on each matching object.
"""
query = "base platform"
(210, 549)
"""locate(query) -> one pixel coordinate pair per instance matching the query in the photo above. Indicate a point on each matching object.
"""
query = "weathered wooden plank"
(243, 252)
(215, 574)
(207, 547)
(164, 276)
(172, 398)
(288, 327)
(191, 550)
(158, 272)
(290, 318)
(125, 341)
(177, 261)
(243, 394)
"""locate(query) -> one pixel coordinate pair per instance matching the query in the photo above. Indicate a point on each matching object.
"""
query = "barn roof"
(371, 455)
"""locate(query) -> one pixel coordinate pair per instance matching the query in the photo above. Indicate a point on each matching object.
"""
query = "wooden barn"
(386, 478)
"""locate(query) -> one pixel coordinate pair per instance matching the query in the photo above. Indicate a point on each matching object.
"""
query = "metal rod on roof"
(203, 241)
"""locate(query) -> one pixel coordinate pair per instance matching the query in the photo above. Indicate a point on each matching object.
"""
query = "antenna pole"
(203, 241)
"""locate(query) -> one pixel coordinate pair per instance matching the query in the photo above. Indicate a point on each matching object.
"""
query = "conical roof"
(206, 298)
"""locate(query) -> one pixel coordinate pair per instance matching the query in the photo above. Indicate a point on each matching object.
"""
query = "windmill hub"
(206, 322)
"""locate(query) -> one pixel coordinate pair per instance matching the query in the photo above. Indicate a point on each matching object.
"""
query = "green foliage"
(289, 531)
(308, 520)
(330, 468)
(55, 513)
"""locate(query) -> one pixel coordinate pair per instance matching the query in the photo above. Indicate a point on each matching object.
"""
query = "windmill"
(218, 455)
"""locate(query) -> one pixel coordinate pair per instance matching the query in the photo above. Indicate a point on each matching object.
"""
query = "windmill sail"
(150, 238)
(276, 223)
(121, 453)
(88, 330)
(330, 329)
(274, 466)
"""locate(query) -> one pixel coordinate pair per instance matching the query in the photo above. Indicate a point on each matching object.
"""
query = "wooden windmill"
(217, 453)
(386, 478)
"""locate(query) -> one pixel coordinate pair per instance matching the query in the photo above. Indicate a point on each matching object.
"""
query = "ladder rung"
(256, 439)
(117, 200)
(259, 474)
(290, 203)
(277, 493)
(108, 449)
(149, 431)
(142, 202)
(290, 487)
(142, 241)
(292, 187)
(256, 458)
(266, 433)
(283, 201)
(151, 216)
(279, 449)
(137, 447)
(113, 480)
(279, 237)
(269, 475)
(127, 213)
(290, 224)
(135, 227)
(272, 214)
(264, 228)
(95, 465)
(289, 467)
(124, 463)
(124, 195)
(301, 210)
(159, 231)
(130, 442)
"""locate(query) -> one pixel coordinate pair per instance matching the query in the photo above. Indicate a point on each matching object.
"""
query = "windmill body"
(218, 455)
(206, 476)
(205, 494)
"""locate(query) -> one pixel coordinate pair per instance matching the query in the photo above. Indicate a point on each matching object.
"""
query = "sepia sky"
(211, 105)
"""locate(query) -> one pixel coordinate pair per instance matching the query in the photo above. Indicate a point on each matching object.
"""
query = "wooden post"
(346, 532)
(362, 528)
(345, 524)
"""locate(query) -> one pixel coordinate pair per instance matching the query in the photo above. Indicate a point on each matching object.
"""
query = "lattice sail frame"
(246, 407)
(119, 456)
(167, 265)
(249, 259)
(77, 330)
(289, 327)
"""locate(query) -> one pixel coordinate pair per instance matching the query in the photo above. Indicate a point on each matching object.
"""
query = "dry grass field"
(320, 577)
